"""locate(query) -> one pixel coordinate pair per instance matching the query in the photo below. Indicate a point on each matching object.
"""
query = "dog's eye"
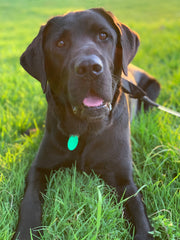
(60, 43)
(103, 36)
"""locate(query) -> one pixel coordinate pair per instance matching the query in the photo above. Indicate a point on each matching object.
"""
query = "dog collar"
(72, 143)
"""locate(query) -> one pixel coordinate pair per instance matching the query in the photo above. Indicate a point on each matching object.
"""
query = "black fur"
(74, 56)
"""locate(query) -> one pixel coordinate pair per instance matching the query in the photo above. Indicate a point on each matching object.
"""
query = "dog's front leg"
(135, 211)
(30, 210)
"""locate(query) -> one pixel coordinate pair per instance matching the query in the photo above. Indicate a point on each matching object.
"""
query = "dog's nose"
(89, 65)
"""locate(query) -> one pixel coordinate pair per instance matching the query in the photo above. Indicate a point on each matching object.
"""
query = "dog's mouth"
(93, 107)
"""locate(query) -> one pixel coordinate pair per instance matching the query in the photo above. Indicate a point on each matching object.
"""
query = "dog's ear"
(129, 43)
(32, 59)
(128, 40)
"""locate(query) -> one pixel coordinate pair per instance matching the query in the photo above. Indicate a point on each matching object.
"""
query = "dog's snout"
(89, 65)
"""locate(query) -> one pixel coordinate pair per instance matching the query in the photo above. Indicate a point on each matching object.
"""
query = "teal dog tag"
(72, 142)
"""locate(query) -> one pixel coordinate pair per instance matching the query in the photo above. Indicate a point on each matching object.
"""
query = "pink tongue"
(93, 101)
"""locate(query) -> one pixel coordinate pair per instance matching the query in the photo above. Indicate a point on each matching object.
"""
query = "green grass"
(78, 206)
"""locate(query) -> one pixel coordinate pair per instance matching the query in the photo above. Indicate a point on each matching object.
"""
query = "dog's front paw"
(142, 236)
(19, 236)
(26, 235)
(16, 236)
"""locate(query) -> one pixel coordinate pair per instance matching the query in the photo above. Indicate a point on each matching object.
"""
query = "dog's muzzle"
(93, 107)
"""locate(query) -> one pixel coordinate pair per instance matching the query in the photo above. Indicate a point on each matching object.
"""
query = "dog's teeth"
(75, 110)
(109, 105)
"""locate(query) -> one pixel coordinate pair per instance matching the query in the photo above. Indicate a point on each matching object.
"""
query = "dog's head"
(82, 55)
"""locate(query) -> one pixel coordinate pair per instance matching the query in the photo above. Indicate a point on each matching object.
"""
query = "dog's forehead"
(80, 20)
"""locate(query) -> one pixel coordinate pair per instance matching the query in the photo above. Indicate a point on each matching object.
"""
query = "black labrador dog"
(80, 59)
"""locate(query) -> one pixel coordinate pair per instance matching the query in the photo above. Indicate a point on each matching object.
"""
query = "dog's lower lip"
(104, 105)
(107, 105)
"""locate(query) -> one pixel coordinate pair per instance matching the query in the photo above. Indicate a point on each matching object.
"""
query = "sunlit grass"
(78, 206)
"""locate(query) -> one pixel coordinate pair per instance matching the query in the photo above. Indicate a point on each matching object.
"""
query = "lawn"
(78, 206)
